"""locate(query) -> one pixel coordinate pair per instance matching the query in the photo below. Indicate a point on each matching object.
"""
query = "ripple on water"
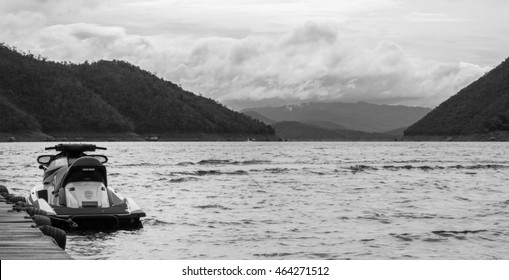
(457, 234)
(156, 222)
(183, 179)
(212, 206)
(273, 255)
(407, 237)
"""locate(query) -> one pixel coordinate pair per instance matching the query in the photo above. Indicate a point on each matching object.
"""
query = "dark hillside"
(15, 120)
(155, 105)
(105, 97)
(56, 99)
(258, 116)
(482, 106)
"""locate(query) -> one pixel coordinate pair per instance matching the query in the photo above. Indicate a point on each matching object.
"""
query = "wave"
(455, 233)
(214, 161)
(276, 170)
(156, 222)
(183, 179)
(376, 217)
(205, 173)
(408, 167)
(224, 162)
(255, 161)
(215, 172)
(437, 235)
(212, 206)
(415, 215)
(185, 163)
(237, 172)
(362, 168)
(272, 255)
(405, 236)
(480, 166)
(144, 164)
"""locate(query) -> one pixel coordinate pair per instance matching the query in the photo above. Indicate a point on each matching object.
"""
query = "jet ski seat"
(85, 169)
(82, 170)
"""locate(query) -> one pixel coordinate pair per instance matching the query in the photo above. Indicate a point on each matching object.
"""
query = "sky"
(251, 53)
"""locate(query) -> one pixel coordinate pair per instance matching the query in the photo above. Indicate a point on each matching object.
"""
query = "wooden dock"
(20, 241)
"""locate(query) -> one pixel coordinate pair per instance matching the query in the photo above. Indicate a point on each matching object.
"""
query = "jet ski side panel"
(43, 205)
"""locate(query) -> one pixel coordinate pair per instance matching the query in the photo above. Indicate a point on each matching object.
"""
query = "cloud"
(78, 42)
(21, 24)
(313, 62)
(432, 17)
(245, 55)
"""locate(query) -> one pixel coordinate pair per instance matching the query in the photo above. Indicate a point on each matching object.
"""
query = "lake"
(296, 200)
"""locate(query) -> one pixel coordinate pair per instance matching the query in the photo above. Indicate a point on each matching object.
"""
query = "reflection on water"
(334, 200)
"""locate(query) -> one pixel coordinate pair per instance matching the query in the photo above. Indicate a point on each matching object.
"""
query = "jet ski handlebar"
(75, 148)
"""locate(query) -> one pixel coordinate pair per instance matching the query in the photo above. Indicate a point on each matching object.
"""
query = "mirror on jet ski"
(45, 159)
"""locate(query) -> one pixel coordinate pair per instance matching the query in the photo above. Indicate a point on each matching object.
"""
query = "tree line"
(105, 96)
(482, 106)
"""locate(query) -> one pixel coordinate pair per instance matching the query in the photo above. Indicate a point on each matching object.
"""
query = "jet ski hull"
(84, 219)
(88, 221)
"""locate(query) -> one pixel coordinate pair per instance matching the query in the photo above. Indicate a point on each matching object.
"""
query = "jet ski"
(75, 194)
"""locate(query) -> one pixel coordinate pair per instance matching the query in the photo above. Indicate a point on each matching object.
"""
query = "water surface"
(297, 200)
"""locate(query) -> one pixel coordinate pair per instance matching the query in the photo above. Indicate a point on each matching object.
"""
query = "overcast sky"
(247, 53)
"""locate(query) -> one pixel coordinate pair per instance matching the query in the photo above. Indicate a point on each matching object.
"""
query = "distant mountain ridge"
(105, 96)
(359, 116)
(482, 106)
(258, 116)
(304, 131)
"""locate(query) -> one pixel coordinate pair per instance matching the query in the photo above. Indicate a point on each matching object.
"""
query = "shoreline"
(498, 136)
(130, 137)
(495, 136)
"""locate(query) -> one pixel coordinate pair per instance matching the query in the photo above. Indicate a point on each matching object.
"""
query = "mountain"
(482, 106)
(359, 116)
(104, 97)
(321, 124)
(327, 125)
(13, 119)
(317, 130)
(301, 131)
(47, 96)
(258, 116)
(398, 132)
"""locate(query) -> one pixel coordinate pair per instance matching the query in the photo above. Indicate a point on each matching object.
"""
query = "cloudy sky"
(248, 53)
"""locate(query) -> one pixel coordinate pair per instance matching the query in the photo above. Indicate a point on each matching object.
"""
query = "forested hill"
(105, 96)
(481, 107)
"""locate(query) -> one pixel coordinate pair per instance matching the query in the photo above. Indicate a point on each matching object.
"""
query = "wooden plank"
(13, 225)
(20, 241)
(33, 257)
(13, 221)
(36, 234)
(28, 256)
(20, 236)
